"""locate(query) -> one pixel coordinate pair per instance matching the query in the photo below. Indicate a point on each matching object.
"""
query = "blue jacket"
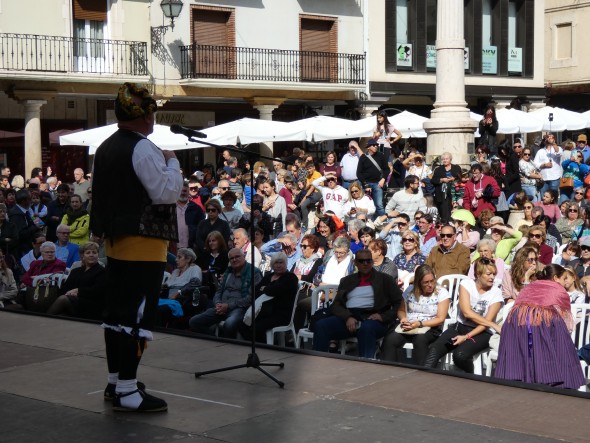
(69, 253)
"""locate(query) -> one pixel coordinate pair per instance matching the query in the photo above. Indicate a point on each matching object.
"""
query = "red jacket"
(482, 203)
(38, 267)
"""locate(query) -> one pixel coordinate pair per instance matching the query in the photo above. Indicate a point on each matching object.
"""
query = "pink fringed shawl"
(540, 301)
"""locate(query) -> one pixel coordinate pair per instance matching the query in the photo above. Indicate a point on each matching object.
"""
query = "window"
(563, 47)
(319, 46)
(213, 31)
(89, 24)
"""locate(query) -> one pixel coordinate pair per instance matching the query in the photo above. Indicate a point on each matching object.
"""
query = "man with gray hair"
(81, 185)
(231, 300)
(242, 241)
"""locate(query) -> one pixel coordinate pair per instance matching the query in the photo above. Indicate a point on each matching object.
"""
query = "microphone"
(177, 129)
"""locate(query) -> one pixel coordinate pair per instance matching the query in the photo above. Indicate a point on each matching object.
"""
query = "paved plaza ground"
(52, 374)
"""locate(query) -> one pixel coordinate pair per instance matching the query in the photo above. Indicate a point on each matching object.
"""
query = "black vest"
(120, 204)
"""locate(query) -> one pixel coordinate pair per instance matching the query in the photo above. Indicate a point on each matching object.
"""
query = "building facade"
(566, 70)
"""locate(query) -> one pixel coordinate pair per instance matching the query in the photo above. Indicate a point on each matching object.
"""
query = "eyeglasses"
(527, 154)
(340, 253)
(528, 207)
(447, 235)
(573, 210)
(305, 246)
(402, 224)
(579, 193)
(211, 210)
(88, 192)
(364, 261)
(408, 240)
(216, 193)
(193, 188)
(224, 188)
(354, 191)
(531, 260)
(486, 261)
(535, 235)
(517, 146)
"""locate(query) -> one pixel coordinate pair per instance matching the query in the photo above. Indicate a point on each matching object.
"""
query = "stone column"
(32, 134)
(32, 100)
(265, 106)
(450, 129)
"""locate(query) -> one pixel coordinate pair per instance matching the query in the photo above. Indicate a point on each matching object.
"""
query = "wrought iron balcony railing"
(279, 65)
(49, 53)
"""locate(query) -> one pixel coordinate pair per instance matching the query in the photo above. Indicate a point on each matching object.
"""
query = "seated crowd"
(514, 252)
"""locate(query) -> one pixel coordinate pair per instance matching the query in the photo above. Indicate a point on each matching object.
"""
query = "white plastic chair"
(305, 333)
(581, 332)
(270, 334)
(492, 356)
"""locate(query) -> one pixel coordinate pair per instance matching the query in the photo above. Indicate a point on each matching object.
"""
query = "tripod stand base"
(252, 362)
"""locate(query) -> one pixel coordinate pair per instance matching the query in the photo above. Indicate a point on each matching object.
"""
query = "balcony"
(61, 55)
(271, 65)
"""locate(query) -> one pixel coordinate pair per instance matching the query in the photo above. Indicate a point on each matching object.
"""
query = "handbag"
(41, 297)
(414, 331)
(566, 182)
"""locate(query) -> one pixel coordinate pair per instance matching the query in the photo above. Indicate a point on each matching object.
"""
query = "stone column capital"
(266, 101)
(31, 95)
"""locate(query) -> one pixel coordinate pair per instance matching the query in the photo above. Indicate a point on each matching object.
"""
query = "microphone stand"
(253, 361)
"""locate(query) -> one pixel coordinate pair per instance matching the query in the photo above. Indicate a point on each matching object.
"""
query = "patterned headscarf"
(127, 109)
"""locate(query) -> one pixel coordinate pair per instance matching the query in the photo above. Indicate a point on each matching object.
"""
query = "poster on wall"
(430, 56)
(515, 60)
(466, 59)
(489, 60)
(404, 55)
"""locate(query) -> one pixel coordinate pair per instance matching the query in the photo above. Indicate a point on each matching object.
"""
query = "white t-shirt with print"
(424, 308)
(480, 303)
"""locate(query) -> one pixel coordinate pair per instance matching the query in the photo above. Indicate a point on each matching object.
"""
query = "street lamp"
(171, 10)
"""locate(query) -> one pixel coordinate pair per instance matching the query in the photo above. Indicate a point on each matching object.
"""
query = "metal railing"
(50, 53)
(279, 65)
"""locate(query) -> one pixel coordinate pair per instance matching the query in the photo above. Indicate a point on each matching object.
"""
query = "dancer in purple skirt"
(535, 345)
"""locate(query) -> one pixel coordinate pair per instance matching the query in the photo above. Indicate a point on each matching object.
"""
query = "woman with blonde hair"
(422, 313)
(479, 304)
(358, 202)
(17, 183)
(410, 257)
(574, 289)
(83, 291)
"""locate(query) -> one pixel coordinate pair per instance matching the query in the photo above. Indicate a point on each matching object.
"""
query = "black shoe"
(110, 393)
(148, 404)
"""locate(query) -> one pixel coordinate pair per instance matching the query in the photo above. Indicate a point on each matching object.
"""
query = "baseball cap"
(586, 242)
(372, 143)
